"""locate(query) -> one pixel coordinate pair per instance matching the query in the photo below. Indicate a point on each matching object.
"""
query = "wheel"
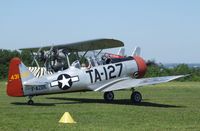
(109, 96)
(136, 97)
(30, 102)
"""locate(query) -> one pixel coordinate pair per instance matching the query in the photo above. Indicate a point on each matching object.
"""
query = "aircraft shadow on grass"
(101, 101)
(119, 102)
(35, 104)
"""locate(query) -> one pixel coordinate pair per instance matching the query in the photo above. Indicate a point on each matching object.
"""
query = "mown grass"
(170, 106)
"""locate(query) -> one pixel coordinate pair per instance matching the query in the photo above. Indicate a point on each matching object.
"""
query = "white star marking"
(65, 81)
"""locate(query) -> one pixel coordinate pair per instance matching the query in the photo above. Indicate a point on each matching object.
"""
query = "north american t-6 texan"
(92, 70)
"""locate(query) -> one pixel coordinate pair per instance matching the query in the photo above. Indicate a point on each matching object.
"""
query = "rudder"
(14, 84)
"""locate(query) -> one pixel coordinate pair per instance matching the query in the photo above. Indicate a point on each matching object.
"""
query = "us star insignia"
(64, 81)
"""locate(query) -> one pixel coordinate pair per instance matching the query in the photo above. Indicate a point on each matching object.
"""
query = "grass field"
(170, 106)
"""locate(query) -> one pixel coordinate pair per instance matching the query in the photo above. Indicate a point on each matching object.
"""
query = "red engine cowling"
(142, 67)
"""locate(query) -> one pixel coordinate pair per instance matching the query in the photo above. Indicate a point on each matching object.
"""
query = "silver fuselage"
(81, 79)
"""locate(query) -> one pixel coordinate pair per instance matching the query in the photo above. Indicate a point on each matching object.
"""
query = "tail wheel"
(109, 96)
(30, 102)
(136, 97)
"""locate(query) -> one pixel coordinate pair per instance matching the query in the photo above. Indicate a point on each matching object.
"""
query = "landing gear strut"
(136, 97)
(109, 96)
(30, 101)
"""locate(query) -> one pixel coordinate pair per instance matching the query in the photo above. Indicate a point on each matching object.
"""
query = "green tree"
(5, 57)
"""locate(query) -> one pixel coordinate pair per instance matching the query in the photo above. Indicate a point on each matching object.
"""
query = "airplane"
(119, 74)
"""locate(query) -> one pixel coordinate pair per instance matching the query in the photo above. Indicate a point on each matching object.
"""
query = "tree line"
(7, 55)
(154, 69)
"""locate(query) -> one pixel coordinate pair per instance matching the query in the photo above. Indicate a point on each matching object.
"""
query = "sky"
(168, 31)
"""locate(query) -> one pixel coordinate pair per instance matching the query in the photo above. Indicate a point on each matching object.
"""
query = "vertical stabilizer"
(18, 73)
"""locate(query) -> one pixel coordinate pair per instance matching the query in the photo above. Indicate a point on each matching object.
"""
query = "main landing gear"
(136, 97)
(109, 96)
(30, 101)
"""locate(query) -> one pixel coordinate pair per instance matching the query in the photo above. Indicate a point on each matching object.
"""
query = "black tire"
(109, 96)
(30, 102)
(136, 97)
